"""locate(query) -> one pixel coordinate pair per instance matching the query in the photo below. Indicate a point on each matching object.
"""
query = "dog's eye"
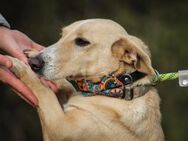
(127, 51)
(81, 42)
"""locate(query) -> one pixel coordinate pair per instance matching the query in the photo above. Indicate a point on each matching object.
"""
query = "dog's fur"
(98, 118)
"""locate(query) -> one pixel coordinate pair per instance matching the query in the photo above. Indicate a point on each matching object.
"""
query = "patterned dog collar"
(113, 86)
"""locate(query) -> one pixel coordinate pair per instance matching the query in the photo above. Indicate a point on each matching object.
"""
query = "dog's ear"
(134, 52)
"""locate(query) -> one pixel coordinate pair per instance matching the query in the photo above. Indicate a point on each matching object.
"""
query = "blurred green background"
(162, 24)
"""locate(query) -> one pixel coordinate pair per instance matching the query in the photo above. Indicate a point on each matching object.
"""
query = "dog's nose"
(36, 63)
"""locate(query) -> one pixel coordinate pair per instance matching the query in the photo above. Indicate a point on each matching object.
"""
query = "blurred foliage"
(162, 24)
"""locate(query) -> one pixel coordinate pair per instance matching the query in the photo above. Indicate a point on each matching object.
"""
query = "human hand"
(14, 42)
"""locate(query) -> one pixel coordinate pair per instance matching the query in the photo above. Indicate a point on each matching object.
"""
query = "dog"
(95, 53)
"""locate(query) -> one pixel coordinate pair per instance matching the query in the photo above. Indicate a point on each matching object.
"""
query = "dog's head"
(93, 48)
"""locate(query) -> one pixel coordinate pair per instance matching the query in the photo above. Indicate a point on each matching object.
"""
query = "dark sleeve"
(3, 22)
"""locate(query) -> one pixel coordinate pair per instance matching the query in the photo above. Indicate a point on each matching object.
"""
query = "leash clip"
(183, 78)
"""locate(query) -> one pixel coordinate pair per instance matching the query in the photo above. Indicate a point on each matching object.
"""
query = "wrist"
(3, 30)
(4, 34)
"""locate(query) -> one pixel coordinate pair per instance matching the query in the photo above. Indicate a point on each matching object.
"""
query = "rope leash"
(181, 75)
(165, 77)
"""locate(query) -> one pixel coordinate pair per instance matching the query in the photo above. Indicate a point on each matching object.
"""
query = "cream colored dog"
(91, 49)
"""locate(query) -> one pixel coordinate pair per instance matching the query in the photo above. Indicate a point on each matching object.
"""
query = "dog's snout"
(36, 63)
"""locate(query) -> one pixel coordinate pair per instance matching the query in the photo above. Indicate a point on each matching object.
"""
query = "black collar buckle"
(130, 78)
(127, 79)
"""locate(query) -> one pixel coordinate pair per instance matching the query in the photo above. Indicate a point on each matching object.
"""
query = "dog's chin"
(49, 76)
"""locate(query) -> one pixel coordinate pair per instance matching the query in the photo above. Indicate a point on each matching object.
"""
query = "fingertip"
(8, 64)
(28, 96)
(33, 100)
(37, 47)
(5, 61)
(29, 99)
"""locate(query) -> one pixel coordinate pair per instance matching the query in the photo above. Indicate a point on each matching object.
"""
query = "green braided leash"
(181, 75)
(165, 77)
